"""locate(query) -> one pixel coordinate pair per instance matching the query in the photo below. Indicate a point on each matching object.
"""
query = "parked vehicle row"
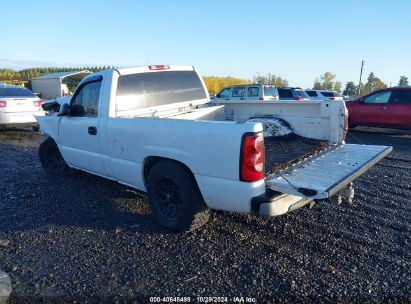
(248, 92)
(260, 92)
(153, 128)
(323, 95)
(389, 107)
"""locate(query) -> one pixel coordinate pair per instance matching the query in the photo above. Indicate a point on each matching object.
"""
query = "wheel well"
(150, 161)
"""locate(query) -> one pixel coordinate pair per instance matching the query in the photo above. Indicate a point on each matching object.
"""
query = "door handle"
(241, 98)
(92, 130)
(382, 108)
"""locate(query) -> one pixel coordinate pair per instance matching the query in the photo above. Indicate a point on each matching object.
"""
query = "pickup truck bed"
(283, 151)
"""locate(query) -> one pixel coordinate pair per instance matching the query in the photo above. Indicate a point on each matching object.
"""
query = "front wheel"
(174, 197)
(51, 158)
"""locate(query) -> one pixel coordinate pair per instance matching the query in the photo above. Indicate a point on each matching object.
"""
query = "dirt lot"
(80, 237)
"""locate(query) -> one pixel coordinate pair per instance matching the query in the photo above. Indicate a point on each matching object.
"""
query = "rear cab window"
(143, 90)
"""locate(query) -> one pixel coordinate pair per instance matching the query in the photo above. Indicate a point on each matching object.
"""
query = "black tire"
(50, 157)
(36, 128)
(174, 197)
(350, 126)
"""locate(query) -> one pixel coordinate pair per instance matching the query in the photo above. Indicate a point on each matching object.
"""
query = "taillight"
(38, 103)
(3, 103)
(298, 98)
(345, 124)
(261, 98)
(252, 157)
(333, 98)
(158, 67)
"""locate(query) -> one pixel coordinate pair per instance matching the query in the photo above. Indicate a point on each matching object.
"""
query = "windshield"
(270, 91)
(144, 90)
(16, 92)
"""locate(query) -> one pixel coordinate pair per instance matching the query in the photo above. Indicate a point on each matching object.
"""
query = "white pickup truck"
(153, 128)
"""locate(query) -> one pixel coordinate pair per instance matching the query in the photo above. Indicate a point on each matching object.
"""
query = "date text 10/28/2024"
(239, 299)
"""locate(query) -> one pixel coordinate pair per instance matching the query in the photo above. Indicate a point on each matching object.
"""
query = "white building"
(52, 86)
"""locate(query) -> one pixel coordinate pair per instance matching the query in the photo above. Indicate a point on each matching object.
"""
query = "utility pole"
(359, 85)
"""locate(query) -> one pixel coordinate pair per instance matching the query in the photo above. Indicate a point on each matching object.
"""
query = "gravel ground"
(82, 238)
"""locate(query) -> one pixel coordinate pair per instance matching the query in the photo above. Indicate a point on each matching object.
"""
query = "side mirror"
(77, 110)
(217, 95)
(65, 110)
(51, 106)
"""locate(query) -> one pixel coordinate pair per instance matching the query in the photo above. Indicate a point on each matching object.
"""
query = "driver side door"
(79, 132)
(373, 109)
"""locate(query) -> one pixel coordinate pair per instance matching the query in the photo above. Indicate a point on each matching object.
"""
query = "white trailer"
(52, 86)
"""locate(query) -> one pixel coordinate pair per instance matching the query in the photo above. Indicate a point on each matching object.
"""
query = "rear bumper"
(19, 125)
(237, 196)
(273, 203)
(18, 120)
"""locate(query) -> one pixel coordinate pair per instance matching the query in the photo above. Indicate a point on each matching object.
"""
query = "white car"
(18, 107)
(154, 129)
(323, 95)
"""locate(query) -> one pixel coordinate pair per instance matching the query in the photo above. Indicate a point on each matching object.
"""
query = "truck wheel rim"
(169, 197)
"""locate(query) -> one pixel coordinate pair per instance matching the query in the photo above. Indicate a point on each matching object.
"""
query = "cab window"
(88, 97)
(380, 97)
(252, 92)
(401, 97)
(238, 92)
(225, 93)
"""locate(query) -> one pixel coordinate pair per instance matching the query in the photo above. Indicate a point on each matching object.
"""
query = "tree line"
(327, 81)
(28, 74)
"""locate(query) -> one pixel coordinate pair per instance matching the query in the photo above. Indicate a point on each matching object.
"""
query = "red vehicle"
(389, 108)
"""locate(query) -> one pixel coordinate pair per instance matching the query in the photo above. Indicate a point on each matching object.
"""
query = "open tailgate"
(323, 175)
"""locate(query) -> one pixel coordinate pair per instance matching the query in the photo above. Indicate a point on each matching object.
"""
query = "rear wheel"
(174, 197)
(51, 158)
